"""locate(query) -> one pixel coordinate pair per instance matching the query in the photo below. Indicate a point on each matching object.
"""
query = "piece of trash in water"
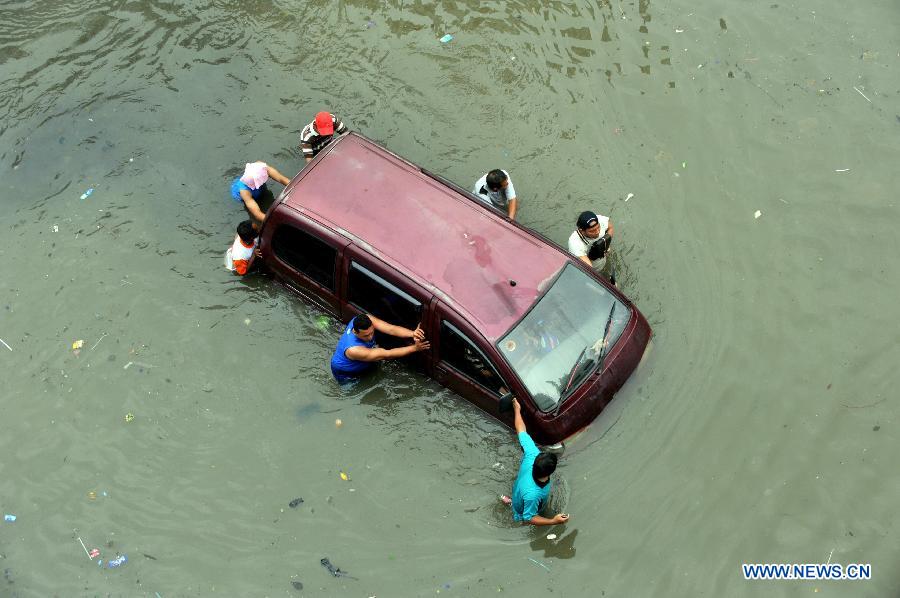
(629, 196)
(512, 57)
(338, 423)
(87, 193)
(370, 24)
(684, 164)
(297, 585)
(129, 417)
(551, 536)
(56, 228)
(94, 553)
(334, 570)
(117, 562)
(247, 321)
(842, 170)
(92, 495)
(505, 499)
(80, 541)
(3, 341)
(345, 477)
(295, 503)
(757, 214)
(679, 31)
(540, 564)
(9, 518)
(446, 38)
(322, 322)
(77, 344)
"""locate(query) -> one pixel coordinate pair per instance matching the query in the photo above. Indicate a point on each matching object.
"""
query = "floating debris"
(862, 94)
(335, 571)
(9, 518)
(842, 170)
(5, 345)
(446, 38)
(551, 536)
(539, 564)
(86, 550)
(295, 503)
(87, 193)
(77, 345)
(757, 214)
(345, 477)
(129, 417)
(629, 196)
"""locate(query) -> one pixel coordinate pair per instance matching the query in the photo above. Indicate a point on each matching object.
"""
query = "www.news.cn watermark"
(800, 571)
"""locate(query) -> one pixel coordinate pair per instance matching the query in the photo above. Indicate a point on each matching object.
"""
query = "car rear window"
(374, 295)
(305, 253)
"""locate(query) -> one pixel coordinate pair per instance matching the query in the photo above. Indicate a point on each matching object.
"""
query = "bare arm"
(252, 206)
(513, 205)
(393, 330)
(538, 520)
(586, 260)
(359, 353)
(277, 176)
(609, 228)
(518, 424)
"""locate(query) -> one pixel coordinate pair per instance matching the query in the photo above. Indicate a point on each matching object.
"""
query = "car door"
(305, 257)
(372, 287)
(462, 366)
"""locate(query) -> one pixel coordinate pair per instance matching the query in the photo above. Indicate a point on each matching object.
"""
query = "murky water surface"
(762, 428)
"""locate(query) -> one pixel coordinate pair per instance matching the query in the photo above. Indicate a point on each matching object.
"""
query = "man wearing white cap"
(250, 188)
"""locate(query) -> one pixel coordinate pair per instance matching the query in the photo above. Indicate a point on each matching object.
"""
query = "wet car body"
(507, 311)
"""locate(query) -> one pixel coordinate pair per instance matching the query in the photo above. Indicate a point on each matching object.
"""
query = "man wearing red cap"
(319, 133)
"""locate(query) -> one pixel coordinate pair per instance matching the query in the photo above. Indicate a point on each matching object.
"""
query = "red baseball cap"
(324, 123)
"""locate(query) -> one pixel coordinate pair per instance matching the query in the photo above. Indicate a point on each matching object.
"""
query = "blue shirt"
(527, 496)
(236, 187)
(343, 365)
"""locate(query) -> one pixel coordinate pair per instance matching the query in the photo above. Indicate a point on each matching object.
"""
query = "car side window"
(374, 295)
(462, 354)
(307, 254)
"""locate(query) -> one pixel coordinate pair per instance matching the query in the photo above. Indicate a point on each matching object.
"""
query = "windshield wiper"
(574, 369)
(603, 347)
(578, 362)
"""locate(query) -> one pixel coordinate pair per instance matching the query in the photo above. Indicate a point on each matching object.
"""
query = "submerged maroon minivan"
(362, 230)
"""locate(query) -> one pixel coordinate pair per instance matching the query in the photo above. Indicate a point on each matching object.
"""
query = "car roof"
(470, 257)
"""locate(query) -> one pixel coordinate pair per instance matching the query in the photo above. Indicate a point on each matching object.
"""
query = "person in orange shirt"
(239, 256)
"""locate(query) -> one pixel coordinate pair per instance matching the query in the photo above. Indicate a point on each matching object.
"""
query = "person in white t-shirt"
(496, 189)
(240, 255)
(591, 240)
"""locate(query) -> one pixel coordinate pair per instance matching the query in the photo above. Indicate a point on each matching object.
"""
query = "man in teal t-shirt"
(532, 485)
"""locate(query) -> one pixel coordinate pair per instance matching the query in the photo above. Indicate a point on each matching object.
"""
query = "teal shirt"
(527, 496)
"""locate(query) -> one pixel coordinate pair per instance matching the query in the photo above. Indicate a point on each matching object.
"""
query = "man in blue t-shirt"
(532, 485)
(357, 353)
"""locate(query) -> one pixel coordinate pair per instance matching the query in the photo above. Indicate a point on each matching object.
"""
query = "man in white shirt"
(591, 240)
(496, 189)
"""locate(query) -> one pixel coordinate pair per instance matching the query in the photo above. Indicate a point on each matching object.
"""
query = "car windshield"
(557, 345)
